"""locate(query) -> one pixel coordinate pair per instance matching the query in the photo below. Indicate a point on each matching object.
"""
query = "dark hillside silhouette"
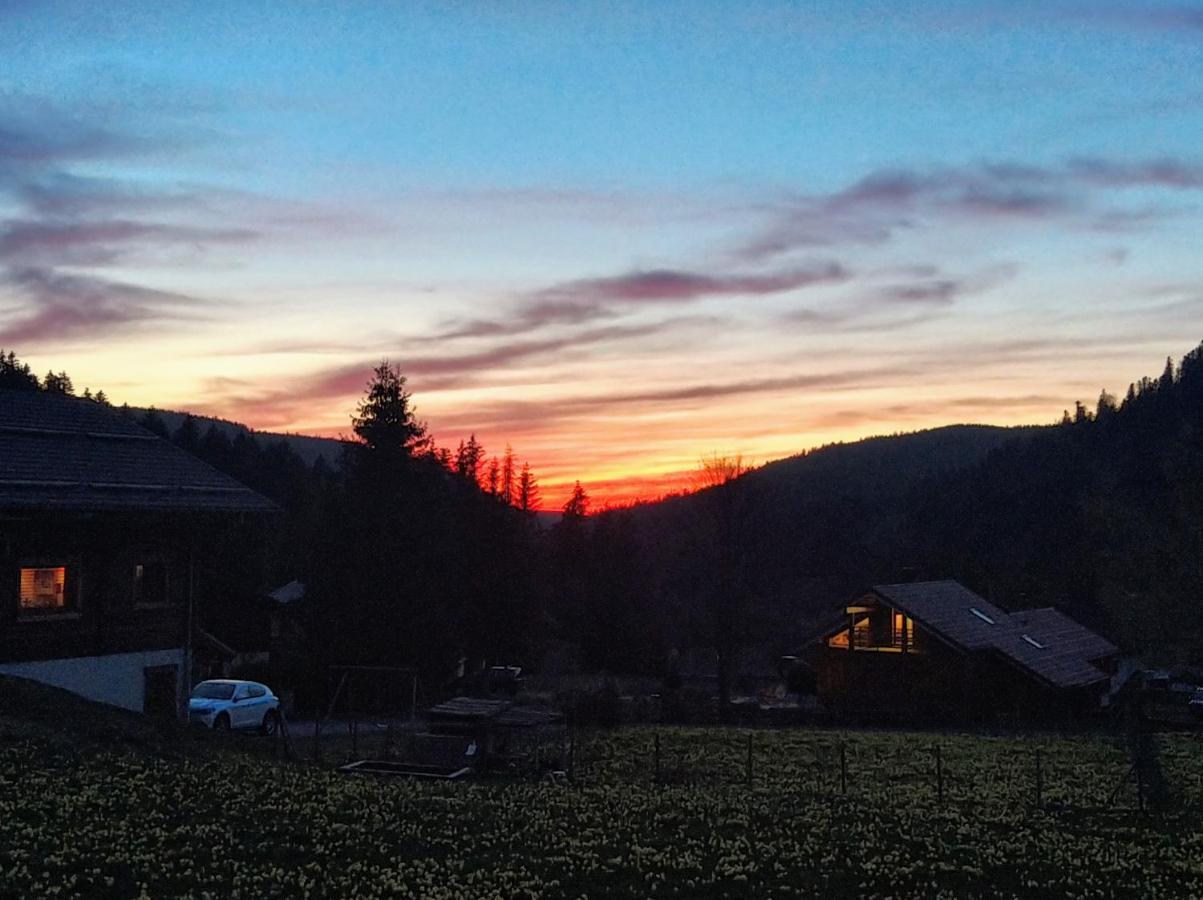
(1101, 515)
(419, 555)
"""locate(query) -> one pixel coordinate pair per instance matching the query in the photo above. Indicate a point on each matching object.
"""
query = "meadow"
(225, 822)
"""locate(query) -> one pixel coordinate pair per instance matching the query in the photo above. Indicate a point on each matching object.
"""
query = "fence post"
(939, 776)
(749, 775)
(657, 754)
(1039, 781)
(317, 736)
(843, 769)
(1140, 784)
(571, 750)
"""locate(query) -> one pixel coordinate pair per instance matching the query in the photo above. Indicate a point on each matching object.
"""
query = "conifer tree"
(528, 489)
(384, 419)
(16, 374)
(468, 458)
(58, 383)
(577, 506)
(509, 477)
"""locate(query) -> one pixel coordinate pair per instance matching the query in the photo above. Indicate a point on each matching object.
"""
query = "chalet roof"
(67, 453)
(1045, 642)
(1054, 646)
(946, 607)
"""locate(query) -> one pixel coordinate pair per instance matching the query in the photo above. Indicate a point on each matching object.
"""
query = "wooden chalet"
(101, 524)
(932, 651)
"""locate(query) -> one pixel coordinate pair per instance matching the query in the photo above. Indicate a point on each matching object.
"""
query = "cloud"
(588, 299)
(446, 371)
(62, 194)
(675, 286)
(878, 206)
(527, 317)
(1162, 173)
(925, 294)
(38, 134)
(103, 242)
(54, 307)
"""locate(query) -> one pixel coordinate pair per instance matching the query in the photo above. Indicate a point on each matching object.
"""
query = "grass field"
(216, 820)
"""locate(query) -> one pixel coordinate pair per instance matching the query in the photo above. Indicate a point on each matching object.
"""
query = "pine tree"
(153, 422)
(384, 420)
(528, 489)
(468, 458)
(188, 434)
(16, 374)
(58, 383)
(509, 484)
(493, 477)
(577, 506)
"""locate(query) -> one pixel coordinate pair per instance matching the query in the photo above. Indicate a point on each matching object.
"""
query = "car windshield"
(208, 690)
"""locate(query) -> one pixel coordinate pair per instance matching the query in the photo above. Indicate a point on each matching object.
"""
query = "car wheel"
(271, 722)
(222, 722)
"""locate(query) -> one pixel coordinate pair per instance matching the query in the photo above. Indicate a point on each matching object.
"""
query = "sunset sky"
(617, 236)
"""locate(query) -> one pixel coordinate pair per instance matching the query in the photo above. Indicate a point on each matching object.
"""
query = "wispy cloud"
(439, 370)
(62, 194)
(909, 297)
(52, 307)
(587, 299)
(104, 242)
(1163, 173)
(675, 286)
(878, 206)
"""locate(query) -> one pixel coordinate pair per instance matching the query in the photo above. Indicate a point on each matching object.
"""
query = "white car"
(224, 704)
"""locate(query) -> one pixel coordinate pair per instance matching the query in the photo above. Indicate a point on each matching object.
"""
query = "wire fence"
(1081, 771)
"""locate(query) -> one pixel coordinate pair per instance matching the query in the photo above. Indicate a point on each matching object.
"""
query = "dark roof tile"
(1045, 642)
(59, 452)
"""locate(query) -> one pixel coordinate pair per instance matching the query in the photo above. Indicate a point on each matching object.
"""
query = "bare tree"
(720, 530)
(715, 470)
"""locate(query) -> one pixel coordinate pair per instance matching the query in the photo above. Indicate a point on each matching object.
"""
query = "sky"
(617, 236)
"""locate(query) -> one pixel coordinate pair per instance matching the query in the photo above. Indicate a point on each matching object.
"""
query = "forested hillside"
(1101, 515)
(416, 555)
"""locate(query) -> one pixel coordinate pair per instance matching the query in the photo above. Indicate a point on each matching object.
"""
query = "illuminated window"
(150, 583)
(903, 625)
(42, 589)
(860, 635)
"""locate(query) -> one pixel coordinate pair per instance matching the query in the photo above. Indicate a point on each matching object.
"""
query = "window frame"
(71, 602)
(142, 560)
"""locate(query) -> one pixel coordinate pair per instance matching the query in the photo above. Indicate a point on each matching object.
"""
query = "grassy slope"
(121, 812)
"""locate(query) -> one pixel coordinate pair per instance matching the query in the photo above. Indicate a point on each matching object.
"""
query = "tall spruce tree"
(384, 420)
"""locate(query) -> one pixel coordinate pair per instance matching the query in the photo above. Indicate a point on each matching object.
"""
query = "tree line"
(425, 556)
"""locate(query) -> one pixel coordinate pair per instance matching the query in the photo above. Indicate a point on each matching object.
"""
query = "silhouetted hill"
(307, 447)
(1101, 516)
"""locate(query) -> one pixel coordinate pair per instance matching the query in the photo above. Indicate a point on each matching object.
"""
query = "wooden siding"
(101, 616)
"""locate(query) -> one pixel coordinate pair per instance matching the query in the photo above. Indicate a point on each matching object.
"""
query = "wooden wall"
(100, 553)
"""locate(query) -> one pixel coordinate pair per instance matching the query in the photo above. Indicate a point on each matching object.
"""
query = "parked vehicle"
(224, 704)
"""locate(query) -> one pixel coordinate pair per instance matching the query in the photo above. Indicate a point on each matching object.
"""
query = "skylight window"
(981, 615)
(1035, 643)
